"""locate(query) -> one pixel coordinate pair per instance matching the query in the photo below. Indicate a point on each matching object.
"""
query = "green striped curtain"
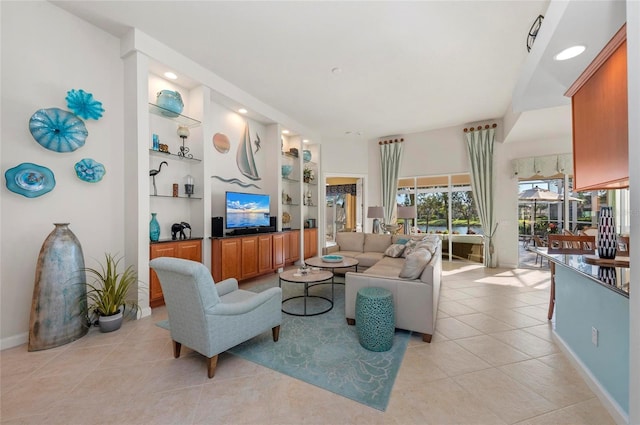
(390, 157)
(480, 145)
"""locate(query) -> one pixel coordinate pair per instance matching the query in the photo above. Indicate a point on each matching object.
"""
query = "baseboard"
(144, 312)
(617, 413)
(14, 341)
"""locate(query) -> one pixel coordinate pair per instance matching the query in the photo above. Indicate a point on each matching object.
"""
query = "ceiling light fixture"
(170, 75)
(570, 52)
(305, 140)
(242, 111)
(336, 70)
(285, 131)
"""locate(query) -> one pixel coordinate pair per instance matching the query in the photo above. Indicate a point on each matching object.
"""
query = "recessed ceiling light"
(285, 131)
(171, 75)
(336, 70)
(305, 140)
(570, 52)
(242, 111)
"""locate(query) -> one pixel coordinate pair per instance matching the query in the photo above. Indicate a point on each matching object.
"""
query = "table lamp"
(408, 214)
(375, 213)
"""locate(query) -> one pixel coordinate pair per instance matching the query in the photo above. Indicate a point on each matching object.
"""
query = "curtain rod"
(386, 142)
(486, 127)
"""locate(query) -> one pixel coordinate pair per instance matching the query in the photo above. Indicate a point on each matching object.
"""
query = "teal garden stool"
(375, 318)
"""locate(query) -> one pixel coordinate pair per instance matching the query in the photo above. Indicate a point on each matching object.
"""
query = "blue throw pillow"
(402, 241)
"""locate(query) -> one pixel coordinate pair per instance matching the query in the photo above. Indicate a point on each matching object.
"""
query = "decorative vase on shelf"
(306, 155)
(154, 228)
(171, 101)
(607, 238)
(59, 293)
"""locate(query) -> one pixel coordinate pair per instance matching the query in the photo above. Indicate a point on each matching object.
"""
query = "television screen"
(246, 210)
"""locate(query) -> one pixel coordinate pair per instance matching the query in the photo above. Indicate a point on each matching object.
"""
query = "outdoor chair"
(565, 244)
(211, 318)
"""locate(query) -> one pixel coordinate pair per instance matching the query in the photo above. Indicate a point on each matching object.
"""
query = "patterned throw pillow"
(415, 264)
(402, 241)
(409, 247)
(395, 250)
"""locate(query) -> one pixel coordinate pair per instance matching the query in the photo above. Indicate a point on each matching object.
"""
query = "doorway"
(344, 206)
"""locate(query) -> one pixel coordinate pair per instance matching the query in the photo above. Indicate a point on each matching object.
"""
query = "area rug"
(324, 351)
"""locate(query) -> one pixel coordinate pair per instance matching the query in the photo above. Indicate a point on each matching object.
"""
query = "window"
(444, 204)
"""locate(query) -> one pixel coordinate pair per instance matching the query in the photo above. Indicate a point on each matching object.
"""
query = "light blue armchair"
(211, 318)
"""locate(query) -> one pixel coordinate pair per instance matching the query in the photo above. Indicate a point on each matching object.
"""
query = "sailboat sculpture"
(244, 157)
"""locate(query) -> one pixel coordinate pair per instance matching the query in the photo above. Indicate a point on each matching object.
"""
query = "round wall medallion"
(30, 180)
(221, 142)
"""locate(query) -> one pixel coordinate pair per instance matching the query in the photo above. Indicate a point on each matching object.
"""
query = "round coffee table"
(318, 262)
(310, 279)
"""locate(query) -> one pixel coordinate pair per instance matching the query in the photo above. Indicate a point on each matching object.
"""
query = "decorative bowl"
(171, 101)
(286, 170)
(332, 258)
(306, 155)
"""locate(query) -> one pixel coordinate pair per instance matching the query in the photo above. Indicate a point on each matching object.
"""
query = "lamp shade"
(375, 212)
(406, 212)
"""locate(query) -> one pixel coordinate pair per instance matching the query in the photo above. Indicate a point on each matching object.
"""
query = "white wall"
(45, 53)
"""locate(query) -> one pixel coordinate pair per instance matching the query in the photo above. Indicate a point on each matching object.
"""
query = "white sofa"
(415, 300)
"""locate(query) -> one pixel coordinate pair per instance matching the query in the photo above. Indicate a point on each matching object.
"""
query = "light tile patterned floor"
(492, 361)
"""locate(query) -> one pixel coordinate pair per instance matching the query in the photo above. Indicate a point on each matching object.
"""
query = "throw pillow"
(409, 247)
(415, 264)
(402, 241)
(394, 250)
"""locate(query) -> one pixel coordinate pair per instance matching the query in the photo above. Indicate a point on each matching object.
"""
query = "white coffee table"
(310, 279)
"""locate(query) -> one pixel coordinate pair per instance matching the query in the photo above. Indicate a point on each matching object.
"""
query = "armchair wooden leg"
(176, 349)
(276, 333)
(351, 322)
(211, 365)
(426, 337)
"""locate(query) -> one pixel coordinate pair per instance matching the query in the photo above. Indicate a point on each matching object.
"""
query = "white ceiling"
(405, 66)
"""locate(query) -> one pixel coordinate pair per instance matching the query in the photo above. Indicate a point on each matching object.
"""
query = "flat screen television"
(246, 210)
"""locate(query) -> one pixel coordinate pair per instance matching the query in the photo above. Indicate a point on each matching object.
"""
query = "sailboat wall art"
(244, 156)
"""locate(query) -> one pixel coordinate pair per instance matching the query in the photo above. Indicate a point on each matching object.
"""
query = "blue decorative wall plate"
(84, 105)
(30, 180)
(89, 170)
(58, 130)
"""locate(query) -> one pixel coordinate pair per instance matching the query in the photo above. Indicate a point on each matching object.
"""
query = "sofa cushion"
(415, 263)
(395, 250)
(430, 245)
(368, 259)
(352, 254)
(376, 243)
(350, 241)
(400, 239)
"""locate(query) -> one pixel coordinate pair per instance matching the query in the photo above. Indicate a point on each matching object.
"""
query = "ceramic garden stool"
(375, 318)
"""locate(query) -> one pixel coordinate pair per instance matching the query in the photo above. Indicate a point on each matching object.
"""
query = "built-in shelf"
(290, 155)
(178, 118)
(174, 197)
(173, 156)
(290, 180)
(311, 184)
(290, 205)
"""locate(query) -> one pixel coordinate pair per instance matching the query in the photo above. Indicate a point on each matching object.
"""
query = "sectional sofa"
(409, 266)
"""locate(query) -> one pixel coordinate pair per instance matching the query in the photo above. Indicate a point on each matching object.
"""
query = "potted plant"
(107, 293)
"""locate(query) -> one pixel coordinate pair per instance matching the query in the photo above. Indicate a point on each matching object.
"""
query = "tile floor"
(492, 361)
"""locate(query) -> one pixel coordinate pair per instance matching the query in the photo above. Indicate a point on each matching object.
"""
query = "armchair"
(211, 318)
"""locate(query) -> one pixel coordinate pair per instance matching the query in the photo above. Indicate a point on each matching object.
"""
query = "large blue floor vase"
(59, 295)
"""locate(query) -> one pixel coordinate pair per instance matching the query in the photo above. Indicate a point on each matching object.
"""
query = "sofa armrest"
(331, 249)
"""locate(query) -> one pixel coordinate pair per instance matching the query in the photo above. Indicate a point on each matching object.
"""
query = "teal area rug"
(324, 351)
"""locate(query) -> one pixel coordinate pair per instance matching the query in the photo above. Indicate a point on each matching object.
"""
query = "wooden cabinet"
(600, 120)
(278, 250)
(292, 246)
(245, 257)
(225, 258)
(189, 250)
(248, 257)
(310, 242)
